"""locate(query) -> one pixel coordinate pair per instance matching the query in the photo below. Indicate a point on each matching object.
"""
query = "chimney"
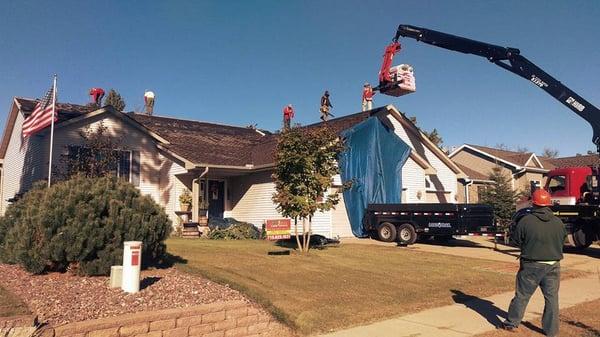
(149, 102)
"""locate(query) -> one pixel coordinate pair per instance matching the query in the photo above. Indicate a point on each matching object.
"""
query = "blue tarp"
(373, 161)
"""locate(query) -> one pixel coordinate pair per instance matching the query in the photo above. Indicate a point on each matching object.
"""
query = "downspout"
(467, 183)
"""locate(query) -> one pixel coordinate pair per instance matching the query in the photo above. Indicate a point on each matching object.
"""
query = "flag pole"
(52, 131)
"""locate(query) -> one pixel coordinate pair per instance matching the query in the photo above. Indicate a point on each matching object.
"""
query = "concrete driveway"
(483, 248)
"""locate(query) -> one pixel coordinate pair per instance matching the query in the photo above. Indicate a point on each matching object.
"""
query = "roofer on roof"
(288, 114)
(541, 237)
(325, 106)
(367, 97)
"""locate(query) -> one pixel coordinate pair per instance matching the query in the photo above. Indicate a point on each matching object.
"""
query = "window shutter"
(135, 168)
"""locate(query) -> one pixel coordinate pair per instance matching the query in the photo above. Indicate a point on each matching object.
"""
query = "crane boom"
(511, 60)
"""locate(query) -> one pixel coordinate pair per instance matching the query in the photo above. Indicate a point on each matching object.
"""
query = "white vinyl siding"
(444, 174)
(251, 202)
(154, 167)
(413, 182)
(24, 162)
(340, 224)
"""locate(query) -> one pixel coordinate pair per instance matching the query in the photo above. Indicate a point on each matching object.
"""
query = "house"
(573, 161)
(478, 161)
(227, 168)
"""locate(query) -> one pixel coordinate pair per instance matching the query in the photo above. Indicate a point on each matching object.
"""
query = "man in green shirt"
(541, 237)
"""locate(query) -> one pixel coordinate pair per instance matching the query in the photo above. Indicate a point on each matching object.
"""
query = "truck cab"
(569, 185)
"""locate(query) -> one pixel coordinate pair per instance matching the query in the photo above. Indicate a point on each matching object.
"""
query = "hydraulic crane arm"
(511, 60)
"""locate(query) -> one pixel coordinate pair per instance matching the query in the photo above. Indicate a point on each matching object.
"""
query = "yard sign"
(278, 229)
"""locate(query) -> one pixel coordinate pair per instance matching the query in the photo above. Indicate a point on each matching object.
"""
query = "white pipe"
(467, 184)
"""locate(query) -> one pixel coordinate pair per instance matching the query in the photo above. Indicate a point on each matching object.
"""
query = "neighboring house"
(478, 161)
(227, 168)
(574, 161)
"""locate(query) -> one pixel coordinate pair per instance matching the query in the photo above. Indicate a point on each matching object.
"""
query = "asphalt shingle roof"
(518, 158)
(576, 161)
(204, 143)
(209, 143)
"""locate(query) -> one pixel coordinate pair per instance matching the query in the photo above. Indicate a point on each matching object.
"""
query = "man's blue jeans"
(531, 275)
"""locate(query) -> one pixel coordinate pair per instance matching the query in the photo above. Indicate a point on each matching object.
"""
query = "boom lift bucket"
(398, 80)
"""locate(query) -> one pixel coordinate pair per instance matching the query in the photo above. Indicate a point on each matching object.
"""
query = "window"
(126, 164)
(557, 183)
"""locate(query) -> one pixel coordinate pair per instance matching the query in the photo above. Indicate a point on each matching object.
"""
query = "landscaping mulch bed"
(59, 298)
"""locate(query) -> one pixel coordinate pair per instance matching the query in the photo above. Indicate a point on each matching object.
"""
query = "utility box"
(132, 263)
(116, 276)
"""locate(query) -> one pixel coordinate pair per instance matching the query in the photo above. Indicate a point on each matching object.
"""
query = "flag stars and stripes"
(42, 115)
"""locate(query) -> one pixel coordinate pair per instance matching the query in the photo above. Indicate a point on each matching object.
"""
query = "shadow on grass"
(451, 243)
(169, 260)
(532, 327)
(485, 308)
(588, 329)
(316, 242)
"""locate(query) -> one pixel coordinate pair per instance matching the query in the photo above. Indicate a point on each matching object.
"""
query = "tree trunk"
(296, 233)
(308, 232)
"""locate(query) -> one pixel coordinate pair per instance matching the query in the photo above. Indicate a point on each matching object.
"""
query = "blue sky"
(240, 62)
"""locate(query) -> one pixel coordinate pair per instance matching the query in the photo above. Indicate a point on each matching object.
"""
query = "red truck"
(575, 197)
(575, 190)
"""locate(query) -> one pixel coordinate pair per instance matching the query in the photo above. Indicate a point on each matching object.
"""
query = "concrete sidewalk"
(473, 315)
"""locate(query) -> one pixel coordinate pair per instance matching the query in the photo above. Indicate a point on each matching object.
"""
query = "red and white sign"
(278, 229)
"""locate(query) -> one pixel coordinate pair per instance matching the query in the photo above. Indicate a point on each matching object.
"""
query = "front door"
(216, 198)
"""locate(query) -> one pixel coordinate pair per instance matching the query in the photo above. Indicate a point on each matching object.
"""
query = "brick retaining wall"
(223, 319)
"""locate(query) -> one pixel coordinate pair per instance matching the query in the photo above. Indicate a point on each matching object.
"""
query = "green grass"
(10, 305)
(339, 286)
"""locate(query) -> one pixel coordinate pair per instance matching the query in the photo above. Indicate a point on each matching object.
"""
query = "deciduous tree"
(306, 161)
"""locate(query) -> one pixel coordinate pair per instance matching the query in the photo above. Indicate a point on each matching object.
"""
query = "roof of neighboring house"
(575, 161)
(518, 158)
(472, 174)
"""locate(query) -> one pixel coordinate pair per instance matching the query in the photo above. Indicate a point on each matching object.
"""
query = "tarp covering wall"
(373, 161)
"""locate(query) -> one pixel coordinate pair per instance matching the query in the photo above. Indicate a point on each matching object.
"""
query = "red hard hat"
(541, 197)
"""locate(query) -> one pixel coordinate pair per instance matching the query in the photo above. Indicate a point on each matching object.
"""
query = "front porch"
(211, 190)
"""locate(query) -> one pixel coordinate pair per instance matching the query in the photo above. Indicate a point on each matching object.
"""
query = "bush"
(81, 224)
(237, 231)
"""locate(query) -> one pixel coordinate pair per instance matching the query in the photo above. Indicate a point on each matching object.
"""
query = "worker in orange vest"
(288, 114)
(367, 97)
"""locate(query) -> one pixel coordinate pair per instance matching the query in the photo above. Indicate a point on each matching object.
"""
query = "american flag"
(41, 116)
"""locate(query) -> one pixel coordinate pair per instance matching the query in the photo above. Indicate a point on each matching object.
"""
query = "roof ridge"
(190, 120)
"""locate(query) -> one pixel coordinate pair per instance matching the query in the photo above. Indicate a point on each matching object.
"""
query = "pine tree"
(114, 98)
(80, 225)
(501, 196)
(305, 166)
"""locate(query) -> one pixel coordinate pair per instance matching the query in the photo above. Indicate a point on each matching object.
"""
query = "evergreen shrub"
(81, 224)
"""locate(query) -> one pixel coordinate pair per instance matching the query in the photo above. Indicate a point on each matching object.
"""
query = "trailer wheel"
(581, 239)
(386, 232)
(407, 234)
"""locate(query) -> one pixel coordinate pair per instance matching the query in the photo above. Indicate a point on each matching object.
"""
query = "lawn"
(10, 305)
(341, 286)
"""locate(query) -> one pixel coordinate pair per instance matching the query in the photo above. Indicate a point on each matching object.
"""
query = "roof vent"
(149, 102)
